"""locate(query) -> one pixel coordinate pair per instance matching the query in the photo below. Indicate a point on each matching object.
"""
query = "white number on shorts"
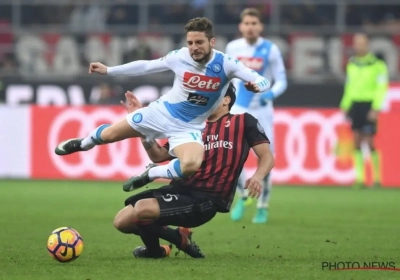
(196, 136)
(169, 197)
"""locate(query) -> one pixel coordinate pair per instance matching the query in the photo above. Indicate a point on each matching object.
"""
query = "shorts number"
(169, 197)
(196, 136)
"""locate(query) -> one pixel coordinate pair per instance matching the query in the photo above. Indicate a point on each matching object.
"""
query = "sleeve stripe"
(260, 142)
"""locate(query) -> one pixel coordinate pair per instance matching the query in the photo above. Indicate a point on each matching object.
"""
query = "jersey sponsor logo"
(214, 143)
(255, 63)
(197, 99)
(201, 82)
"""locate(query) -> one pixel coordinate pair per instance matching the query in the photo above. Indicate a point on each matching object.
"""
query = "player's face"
(222, 109)
(199, 46)
(360, 44)
(250, 27)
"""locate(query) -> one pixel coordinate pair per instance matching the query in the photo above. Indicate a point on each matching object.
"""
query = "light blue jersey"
(263, 57)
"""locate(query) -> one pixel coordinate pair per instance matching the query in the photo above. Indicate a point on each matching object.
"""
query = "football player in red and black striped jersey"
(195, 200)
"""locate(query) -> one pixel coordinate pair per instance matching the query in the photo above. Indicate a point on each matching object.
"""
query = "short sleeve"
(253, 130)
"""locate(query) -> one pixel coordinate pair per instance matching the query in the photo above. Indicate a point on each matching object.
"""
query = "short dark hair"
(200, 24)
(253, 12)
(231, 92)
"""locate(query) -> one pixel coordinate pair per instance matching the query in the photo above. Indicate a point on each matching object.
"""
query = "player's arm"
(136, 68)
(382, 84)
(265, 160)
(155, 151)
(260, 144)
(279, 76)
(253, 81)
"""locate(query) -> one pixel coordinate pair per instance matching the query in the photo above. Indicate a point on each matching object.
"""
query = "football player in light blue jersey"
(202, 76)
(264, 57)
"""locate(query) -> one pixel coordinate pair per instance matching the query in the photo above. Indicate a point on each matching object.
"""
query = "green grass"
(360, 225)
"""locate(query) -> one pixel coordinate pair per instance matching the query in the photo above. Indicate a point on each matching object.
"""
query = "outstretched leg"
(103, 134)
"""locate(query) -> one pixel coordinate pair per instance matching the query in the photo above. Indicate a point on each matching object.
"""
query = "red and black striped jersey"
(227, 143)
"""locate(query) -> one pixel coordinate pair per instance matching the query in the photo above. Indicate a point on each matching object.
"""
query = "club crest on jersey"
(217, 68)
(255, 63)
(227, 123)
(137, 118)
(201, 82)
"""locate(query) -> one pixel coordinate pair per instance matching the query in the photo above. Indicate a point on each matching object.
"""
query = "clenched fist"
(251, 86)
(97, 67)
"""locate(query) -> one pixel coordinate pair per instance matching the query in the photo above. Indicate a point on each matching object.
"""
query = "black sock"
(149, 235)
(171, 235)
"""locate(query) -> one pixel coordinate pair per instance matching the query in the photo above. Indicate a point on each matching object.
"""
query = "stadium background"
(45, 48)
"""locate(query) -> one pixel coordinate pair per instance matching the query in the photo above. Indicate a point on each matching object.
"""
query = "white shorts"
(264, 115)
(155, 122)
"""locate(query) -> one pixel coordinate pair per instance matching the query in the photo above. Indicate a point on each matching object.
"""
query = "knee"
(146, 209)
(120, 222)
(124, 220)
(190, 165)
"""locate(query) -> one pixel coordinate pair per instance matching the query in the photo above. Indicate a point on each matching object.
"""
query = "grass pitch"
(307, 226)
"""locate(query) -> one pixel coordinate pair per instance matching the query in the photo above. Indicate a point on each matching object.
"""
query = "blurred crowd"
(89, 16)
(92, 16)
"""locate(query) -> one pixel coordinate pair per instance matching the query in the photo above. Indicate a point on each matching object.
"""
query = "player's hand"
(251, 86)
(97, 67)
(254, 186)
(372, 115)
(131, 103)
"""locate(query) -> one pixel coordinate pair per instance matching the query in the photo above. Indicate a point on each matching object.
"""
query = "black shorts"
(359, 118)
(179, 207)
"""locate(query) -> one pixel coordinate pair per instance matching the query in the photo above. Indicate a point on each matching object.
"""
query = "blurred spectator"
(106, 95)
(87, 17)
(8, 64)
(5, 12)
(372, 15)
(6, 37)
(228, 14)
(141, 52)
(123, 13)
(308, 14)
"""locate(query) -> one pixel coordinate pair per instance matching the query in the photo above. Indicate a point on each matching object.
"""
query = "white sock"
(94, 138)
(172, 170)
(266, 193)
(241, 183)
